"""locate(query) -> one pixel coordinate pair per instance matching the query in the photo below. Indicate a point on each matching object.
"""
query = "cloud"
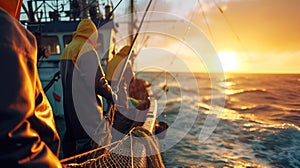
(270, 62)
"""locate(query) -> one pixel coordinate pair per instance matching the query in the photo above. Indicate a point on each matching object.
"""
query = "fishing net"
(137, 149)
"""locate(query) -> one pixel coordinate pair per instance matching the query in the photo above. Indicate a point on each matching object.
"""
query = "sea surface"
(258, 124)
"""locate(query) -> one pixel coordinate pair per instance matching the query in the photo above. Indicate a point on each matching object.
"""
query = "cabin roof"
(63, 26)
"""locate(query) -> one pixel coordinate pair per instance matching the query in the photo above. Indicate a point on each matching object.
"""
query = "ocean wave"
(264, 108)
(294, 119)
(220, 100)
(210, 89)
(295, 110)
(236, 78)
(259, 126)
(270, 114)
(226, 84)
(254, 96)
(249, 91)
(293, 104)
(172, 105)
(280, 148)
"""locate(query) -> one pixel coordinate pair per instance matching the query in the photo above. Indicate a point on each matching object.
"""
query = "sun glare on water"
(228, 60)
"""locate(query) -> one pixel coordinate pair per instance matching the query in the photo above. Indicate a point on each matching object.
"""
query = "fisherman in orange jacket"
(28, 137)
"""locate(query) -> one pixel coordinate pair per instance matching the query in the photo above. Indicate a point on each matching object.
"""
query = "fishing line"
(179, 46)
(206, 22)
(227, 21)
(165, 87)
(230, 25)
(150, 16)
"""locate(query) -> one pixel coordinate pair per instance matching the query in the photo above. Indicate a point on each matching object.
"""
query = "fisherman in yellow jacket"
(28, 136)
(84, 83)
(124, 117)
(113, 70)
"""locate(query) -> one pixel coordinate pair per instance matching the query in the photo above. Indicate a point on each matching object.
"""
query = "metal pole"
(131, 23)
(44, 3)
(131, 47)
(84, 9)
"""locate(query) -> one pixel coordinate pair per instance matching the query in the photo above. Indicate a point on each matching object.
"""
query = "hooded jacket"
(83, 83)
(113, 71)
(28, 137)
(115, 65)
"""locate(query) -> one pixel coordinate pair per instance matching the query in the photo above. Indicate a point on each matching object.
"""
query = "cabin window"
(51, 43)
(67, 39)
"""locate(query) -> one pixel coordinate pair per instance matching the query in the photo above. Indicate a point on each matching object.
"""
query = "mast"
(30, 12)
(131, 23)
(85, 12)
(131, 28)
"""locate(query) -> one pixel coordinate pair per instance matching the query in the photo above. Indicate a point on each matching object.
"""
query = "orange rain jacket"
(28, 137)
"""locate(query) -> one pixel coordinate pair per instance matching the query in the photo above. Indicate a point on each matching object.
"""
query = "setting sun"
(228, 60)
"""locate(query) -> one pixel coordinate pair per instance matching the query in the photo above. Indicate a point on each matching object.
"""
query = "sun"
(228, 60)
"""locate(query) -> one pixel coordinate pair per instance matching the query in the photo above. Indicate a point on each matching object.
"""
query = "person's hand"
(115, 98)
(112, 108)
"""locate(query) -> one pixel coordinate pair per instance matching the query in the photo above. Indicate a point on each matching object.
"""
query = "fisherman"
(122, 122)
(113, 71)
(84, 83)
(131, 96)
(28, 135)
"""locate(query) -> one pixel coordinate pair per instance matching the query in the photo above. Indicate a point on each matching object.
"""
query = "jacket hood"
(13, 7)
(86, 30)
(124, 51)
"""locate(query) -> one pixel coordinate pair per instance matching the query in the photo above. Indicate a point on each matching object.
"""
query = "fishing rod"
(116, 88)
(131, 47)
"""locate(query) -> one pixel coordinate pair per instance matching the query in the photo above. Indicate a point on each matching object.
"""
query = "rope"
(88, 152)
(227, 21)
(147, 25)
(206, 22)
(178, 48)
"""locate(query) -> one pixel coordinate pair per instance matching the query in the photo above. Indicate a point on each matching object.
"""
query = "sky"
(252, 36)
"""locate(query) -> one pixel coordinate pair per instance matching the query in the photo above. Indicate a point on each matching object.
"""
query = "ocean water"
(259, 125)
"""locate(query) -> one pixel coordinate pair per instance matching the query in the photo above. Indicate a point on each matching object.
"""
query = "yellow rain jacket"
(113, 71)
(28, 137)
(83, 83)
(114, 66)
